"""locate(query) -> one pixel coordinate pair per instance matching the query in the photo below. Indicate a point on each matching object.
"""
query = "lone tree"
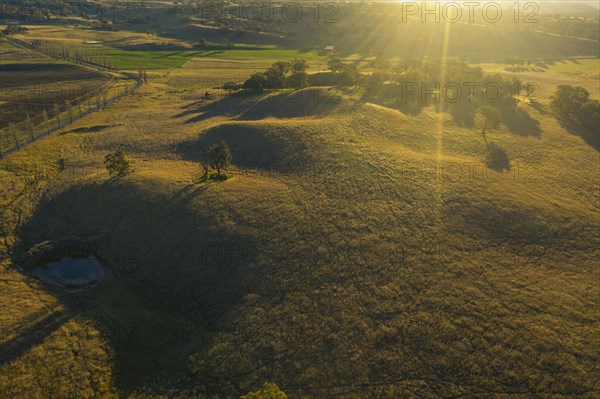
(491, 120)
(220, 156)
(117, 164)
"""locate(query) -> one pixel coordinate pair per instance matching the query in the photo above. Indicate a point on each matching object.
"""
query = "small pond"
(74, 271)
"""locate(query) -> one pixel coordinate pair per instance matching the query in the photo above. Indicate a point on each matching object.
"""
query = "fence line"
(22, 134)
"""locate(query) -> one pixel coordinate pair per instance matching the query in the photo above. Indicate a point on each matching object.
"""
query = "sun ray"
(438, 184)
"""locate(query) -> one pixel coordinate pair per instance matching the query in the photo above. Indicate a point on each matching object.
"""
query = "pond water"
(72, 272)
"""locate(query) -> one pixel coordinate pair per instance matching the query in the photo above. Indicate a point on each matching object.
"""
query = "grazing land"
(370, 238)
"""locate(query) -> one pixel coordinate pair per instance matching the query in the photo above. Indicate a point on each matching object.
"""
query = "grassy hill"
(356, 252)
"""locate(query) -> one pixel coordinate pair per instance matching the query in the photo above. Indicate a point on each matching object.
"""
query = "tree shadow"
(254, 147)
(538, 107)
(497, 158)
(591, 137)
(232, 105)
(516, 69)
(518, 121)
(463, 113)
(32, 332)
(90, 129)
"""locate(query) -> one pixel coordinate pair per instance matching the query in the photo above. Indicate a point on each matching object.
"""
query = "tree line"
(280, 75)
(293, 75)
(75, 56)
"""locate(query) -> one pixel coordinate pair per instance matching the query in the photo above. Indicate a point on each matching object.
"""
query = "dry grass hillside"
(356, 252)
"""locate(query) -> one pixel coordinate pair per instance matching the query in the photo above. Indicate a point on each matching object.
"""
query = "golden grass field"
(356, 251)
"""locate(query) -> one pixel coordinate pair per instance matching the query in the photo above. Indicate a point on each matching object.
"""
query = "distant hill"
(583, 8)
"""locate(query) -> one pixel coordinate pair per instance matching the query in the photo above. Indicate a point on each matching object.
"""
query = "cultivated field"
(32, 82)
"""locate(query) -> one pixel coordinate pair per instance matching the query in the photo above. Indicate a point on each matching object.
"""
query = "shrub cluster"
(280, 75)
(573, 105)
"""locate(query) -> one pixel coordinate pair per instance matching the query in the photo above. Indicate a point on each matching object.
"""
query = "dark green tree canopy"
(220, 156)
(117, 164)
(491, 117)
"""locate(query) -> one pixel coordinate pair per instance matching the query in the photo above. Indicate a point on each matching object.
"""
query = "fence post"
(45, 116)
(31, 128)
(57, 114)
(14, 134)
(69, 110)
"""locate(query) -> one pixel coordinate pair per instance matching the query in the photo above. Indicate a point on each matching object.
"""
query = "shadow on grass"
(591, 137)
(202, 54)
(173, 279)
(89, 129)
(497, 158)
(538, 107)
(231, 105)
(384, 99)
(33, 331)
(518, 121)
(253, 146)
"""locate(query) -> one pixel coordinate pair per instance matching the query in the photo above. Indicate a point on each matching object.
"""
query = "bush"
(256, 82)
(117, 164)
(231, 86)
(268, 391)
(210, 176)
(201, 43)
